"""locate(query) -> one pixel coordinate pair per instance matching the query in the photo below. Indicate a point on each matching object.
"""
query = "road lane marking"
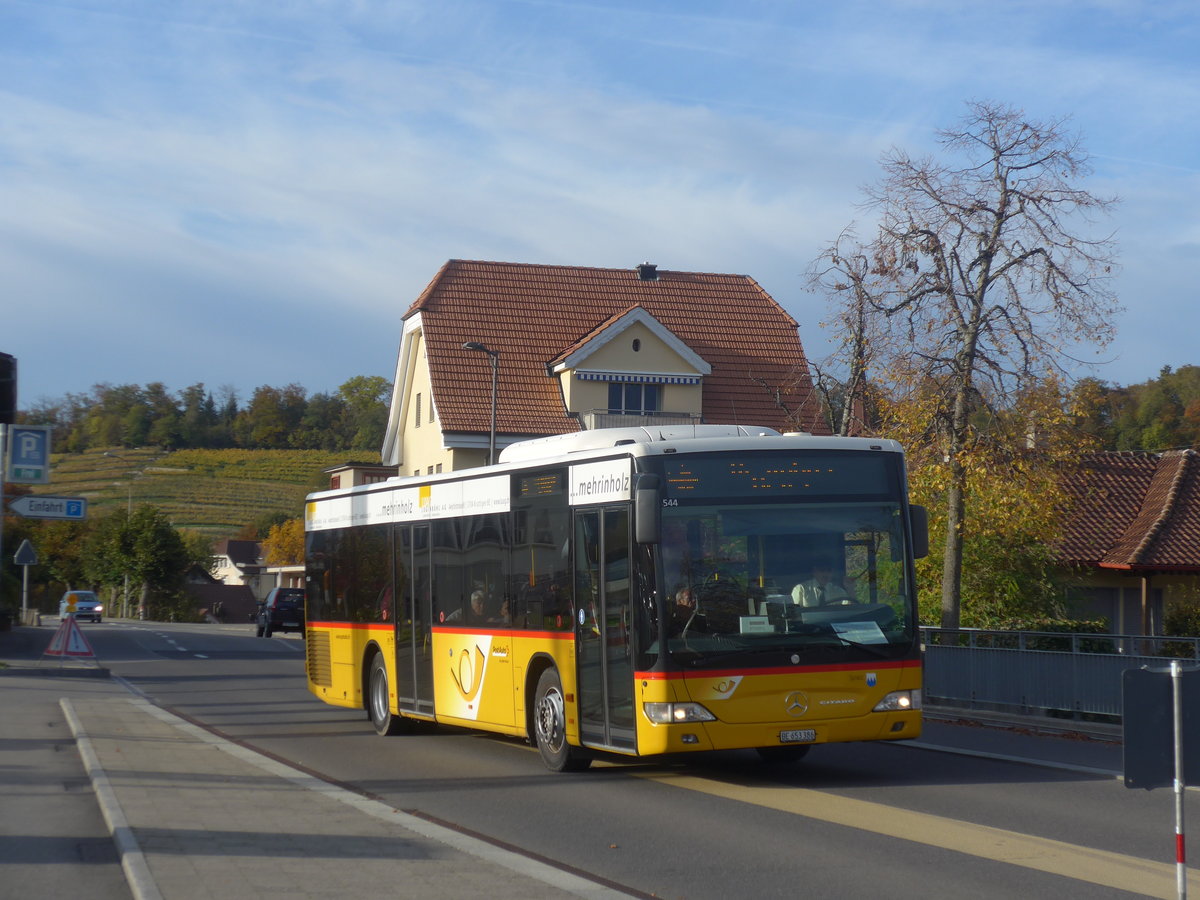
(1102, 867)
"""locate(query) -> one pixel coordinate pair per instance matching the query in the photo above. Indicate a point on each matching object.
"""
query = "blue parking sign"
(29, 454)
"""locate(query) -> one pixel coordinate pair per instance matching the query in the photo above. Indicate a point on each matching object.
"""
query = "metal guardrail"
(1041, 673)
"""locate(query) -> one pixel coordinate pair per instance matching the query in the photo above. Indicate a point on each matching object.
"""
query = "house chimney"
(647, 272)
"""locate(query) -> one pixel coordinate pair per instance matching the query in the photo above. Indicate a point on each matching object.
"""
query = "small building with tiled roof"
(1134, 533)
(576, 348)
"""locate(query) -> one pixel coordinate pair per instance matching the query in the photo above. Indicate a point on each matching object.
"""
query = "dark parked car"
(283, 610)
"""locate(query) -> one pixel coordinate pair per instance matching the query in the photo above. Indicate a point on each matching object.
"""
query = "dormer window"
(633, 397)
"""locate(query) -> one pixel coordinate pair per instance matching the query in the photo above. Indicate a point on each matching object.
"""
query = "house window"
(628, 397)
(417, 411)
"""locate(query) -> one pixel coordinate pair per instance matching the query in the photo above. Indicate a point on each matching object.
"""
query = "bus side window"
(540, 578)
(450, 597)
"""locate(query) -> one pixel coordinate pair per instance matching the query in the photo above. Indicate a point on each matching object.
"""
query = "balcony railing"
(603, 418)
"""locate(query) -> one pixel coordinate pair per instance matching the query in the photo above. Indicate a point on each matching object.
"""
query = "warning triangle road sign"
(69, 641)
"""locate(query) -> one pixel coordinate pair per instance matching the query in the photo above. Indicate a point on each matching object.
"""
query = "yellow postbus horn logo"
(464, 678)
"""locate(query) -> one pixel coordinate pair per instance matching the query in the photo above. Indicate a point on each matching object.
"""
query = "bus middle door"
(602, 598)
(414, 626)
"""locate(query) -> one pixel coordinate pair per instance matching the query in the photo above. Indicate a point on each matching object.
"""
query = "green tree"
(165, 416)
(143, 547)
(271, 418)
(323, 425)
(58, 545)
(199, 549)
(1015, 502)
(367, 398)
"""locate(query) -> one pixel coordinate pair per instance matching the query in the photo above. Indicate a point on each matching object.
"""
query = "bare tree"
(991, 279)
(860, 285)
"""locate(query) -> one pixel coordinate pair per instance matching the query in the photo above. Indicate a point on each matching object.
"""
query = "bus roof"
(639, 441)
(645, 440)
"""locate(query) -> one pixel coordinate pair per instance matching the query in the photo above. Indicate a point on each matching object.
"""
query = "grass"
(215, 492)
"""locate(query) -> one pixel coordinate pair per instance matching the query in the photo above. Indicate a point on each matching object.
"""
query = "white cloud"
(177, 178)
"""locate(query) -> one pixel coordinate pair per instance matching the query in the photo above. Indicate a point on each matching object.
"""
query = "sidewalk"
(188, 826)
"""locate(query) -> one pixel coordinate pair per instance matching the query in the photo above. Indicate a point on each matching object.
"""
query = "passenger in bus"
(685, 614)
(478, 602)
(501, 616)
(822, 589)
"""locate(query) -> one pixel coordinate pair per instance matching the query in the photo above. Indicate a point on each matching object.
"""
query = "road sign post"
(1160, 719)
(25, 557)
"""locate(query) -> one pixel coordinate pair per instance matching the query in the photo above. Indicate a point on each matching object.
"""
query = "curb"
(10, 669)
(1096, 731)
(133, 861)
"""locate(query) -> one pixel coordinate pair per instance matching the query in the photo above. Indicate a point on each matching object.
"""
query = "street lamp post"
(128, 515)
(495, 357)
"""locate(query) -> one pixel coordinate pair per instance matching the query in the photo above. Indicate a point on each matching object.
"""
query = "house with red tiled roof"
(1134, 535)
(575, 348)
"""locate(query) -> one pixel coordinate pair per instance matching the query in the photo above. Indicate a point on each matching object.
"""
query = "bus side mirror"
(918, 516)
(647, 509)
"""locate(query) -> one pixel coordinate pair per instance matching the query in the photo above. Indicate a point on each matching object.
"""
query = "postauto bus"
(635, 591)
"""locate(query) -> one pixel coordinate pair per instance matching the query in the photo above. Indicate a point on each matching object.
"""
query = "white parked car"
(87, 605)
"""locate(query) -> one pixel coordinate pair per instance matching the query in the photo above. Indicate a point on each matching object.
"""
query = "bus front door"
(602, 598)
(414, 628)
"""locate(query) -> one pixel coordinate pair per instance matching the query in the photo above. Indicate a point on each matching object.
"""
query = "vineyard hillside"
(215, 492)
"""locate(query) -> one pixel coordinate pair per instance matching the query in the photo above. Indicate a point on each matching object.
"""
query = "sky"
(243, 193)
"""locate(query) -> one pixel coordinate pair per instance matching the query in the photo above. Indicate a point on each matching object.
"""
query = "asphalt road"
(889, 820)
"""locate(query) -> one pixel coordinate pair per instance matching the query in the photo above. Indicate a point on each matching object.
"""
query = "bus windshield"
(784, 577)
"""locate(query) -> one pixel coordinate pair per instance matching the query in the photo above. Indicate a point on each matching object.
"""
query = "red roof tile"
(533, 314)
(1135, 510)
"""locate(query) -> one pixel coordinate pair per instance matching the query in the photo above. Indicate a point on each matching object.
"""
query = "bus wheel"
(377, 700)
(782, 756)
(550, 725)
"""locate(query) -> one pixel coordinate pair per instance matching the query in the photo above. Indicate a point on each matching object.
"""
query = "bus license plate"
(802, 736)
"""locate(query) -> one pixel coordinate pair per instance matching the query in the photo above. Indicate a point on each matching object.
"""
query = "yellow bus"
(636, 591)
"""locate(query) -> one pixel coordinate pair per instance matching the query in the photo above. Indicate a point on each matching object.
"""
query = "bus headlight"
(668, 713)
(899, 701)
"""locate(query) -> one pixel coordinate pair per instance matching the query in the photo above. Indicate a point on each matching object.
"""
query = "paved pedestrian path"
(187, 826)
(193, 816)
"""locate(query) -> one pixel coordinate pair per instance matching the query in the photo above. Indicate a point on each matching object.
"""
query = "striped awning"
(636, 377)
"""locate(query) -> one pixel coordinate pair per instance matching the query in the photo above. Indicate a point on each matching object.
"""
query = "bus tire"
(783, 756)
(550, 726)
(378, 709)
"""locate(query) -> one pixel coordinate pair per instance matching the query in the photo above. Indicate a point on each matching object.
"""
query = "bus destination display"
(761, 475)
(542, 484)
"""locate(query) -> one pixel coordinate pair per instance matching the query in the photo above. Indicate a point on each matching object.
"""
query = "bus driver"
(821, 589)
